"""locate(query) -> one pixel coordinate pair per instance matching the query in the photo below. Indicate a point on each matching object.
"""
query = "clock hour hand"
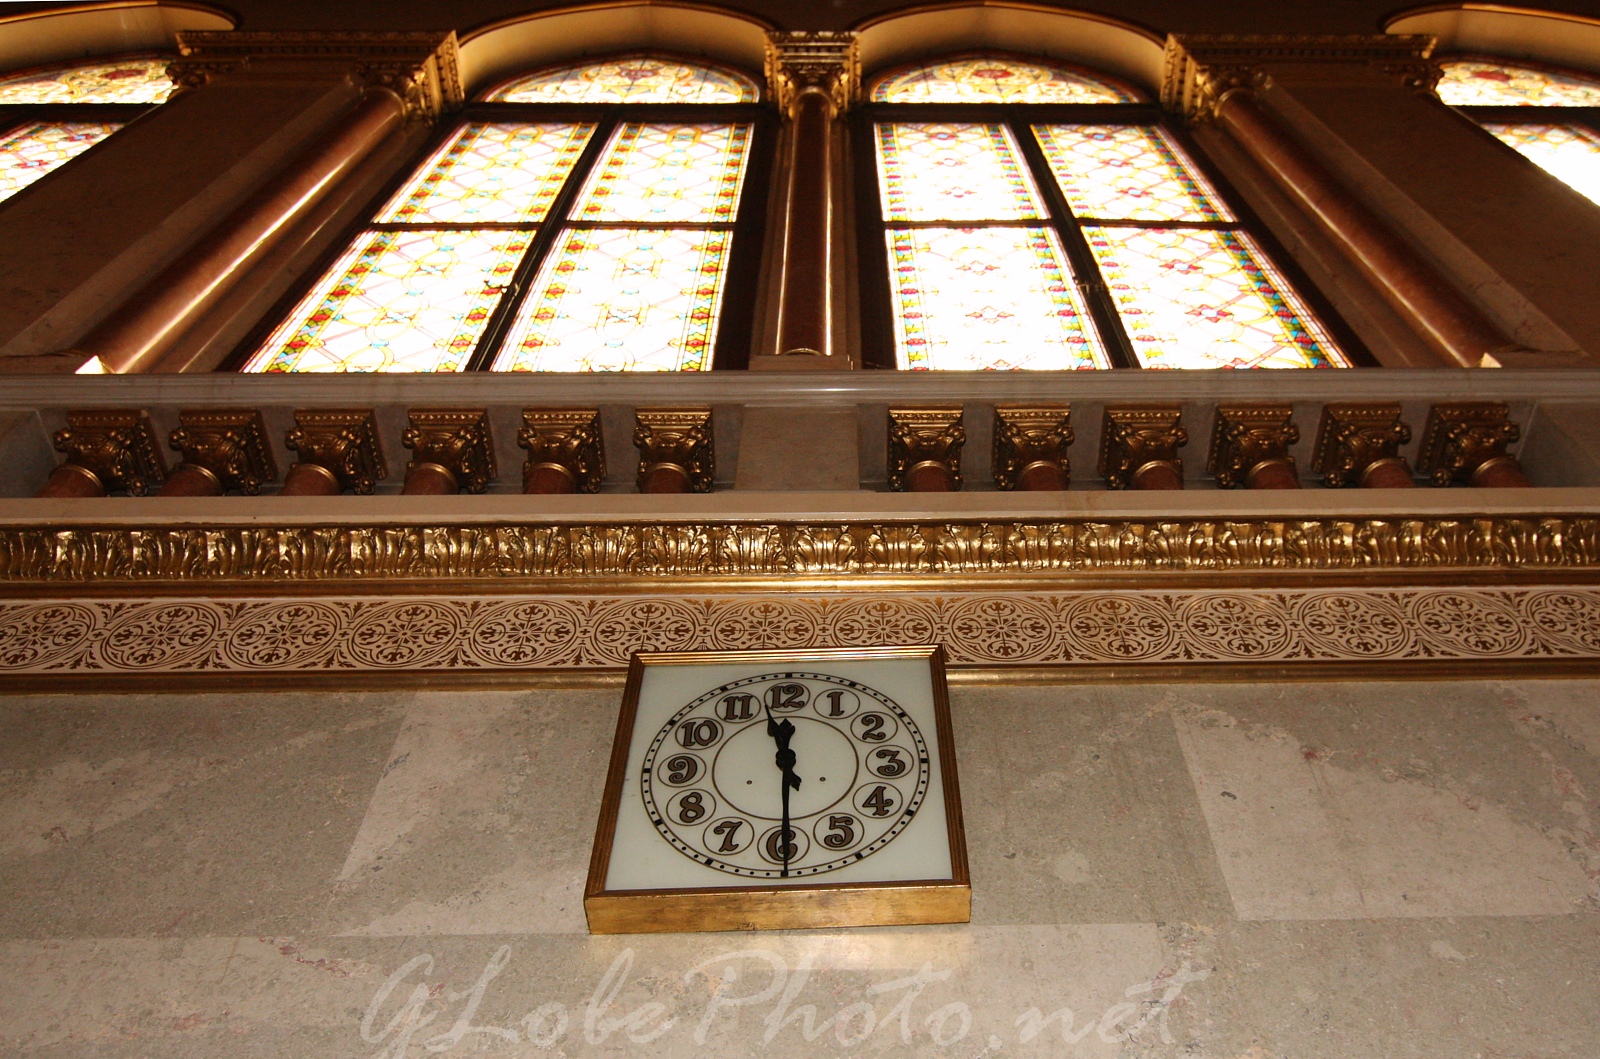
(781, 733)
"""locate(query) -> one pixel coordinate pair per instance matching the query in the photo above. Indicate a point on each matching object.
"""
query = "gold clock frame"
(679, 909)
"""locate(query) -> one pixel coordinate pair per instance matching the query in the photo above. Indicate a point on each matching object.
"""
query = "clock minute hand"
(781, 733)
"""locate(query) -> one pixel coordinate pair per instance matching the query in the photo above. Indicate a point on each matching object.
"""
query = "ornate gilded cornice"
(925, 437)
(342, 441)
(677, 439)
(812, 61)
(229, 443)
(454, 439)
(566, 440)
(423, 69)
(1026, 436)
(1202, 70)
(324, 558)
(1131, 439)
(117, 446)
(1243, 437)
(1352, 437)
(1460, 439)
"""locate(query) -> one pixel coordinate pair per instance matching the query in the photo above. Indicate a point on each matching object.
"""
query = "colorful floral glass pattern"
(398, 301)
(134, 79)
(30, 152)
(995, 79)
(491, 173)
(623, 300)
(636, 79)
(975, 298)
(668, 174)
(1127, 172)
(1570, 153)
(1491, 83)
(1202, 298)
(953, 172)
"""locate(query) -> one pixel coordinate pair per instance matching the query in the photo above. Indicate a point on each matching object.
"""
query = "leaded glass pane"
(1200, 298)
(953, 172)
(134, 79)
(1570, 153)
(491, 173)
(672, 174)
(1127, 172)
(30, 152)
(623, 300)
(636, 79)
(398, 301)
(968, 299)
(993, 79)
(1489, 83)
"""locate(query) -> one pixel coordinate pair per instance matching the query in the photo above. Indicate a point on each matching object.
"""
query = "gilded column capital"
(423, 68)
(1028, 439)
(1353, 437)
(118, 447)
(1203, 70)
(925, 443)
(675, 443)
(455, 440)
(1464, 441)
(1246, 438)
(343, 442)
(229, 444)
(806, 61)
(1137, 440)
(565, 441)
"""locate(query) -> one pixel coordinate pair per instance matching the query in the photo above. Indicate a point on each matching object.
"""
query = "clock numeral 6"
(877, 799)
(681, 770)
(729, 835)
(780, 840)
(888, 762)
(839, 831)
(874, 727)
(691, 807)
(697, 732)
(783, 697)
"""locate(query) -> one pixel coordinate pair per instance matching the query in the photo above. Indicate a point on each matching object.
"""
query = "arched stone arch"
(1552, 37)
(40, 38)
(494, 52)
(1099, 42)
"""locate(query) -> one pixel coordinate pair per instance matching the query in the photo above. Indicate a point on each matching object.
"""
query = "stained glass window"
(29, 152)
(635, 79)
(1130, 172)
(1482, 82)
(1570, 153)
(491, 173)
(953, 172)
(997, 79)
(133, 79)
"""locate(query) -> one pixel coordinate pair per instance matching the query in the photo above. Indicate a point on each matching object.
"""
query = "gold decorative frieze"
(1137, 440)
(341, 441)
(675, 442)
(101, 556)
(812, 61)
(1030, 439)
(1353, 437)
(566, 441)
(455, 440)
(925, 443)
(1244, 438)
(1461, 440)
(230, 444)
(422, 68)
(118, 447)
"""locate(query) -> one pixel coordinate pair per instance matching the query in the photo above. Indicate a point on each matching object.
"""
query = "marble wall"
(1350, 870)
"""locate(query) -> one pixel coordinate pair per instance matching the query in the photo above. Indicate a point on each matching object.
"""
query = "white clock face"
(785, 775)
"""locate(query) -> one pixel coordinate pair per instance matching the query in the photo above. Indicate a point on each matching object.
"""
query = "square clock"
(767, 790)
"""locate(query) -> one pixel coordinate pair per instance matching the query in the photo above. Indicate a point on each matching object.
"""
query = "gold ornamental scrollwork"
(813, 61)
(1351, 438)
(343, 442)
(118, 447)
(230, 444)
(1245, 437)
(251, 556)
(568, 441)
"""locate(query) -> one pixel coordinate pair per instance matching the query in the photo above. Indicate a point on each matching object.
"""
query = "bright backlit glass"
(133, 79)
(1491, 83)
(1570, 153)
(995, 79)
(1127, 172)
(490, 173)
(637, 79)
(953, 172)
(32, 151)
(668, 174)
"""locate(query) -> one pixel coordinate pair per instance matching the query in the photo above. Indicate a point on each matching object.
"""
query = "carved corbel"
(223, 449)
(1250, 447)
(108, 450)
(1030, 448)
(925, 449)
(338, 450)
(566, 450)
(675, 450)
(452, 451)
(1359, 444)
(812, 62)
(1466, 443)
(1139, 447)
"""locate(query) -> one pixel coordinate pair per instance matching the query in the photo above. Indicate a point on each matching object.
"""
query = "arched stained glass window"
(1564, 143)
(630, 79)
(603, 241)
(1064, 236)
(50, 115)
(997, 79)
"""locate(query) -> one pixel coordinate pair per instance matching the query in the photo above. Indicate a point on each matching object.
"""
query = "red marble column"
(1041, 476)
(191, 479)
(71, 480)
(1272, 474)
(430, 479)
(1157, 474)
(803, 316)
(550, 478)
(1502, 472)
(930, 476)
(310, 479)
(1388, 473)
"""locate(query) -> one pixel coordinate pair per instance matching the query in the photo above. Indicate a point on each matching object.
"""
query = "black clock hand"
(781, 733)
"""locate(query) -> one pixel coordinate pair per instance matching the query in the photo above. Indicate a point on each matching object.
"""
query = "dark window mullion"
(550, 231)
(1086, 271)
(877, 285)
